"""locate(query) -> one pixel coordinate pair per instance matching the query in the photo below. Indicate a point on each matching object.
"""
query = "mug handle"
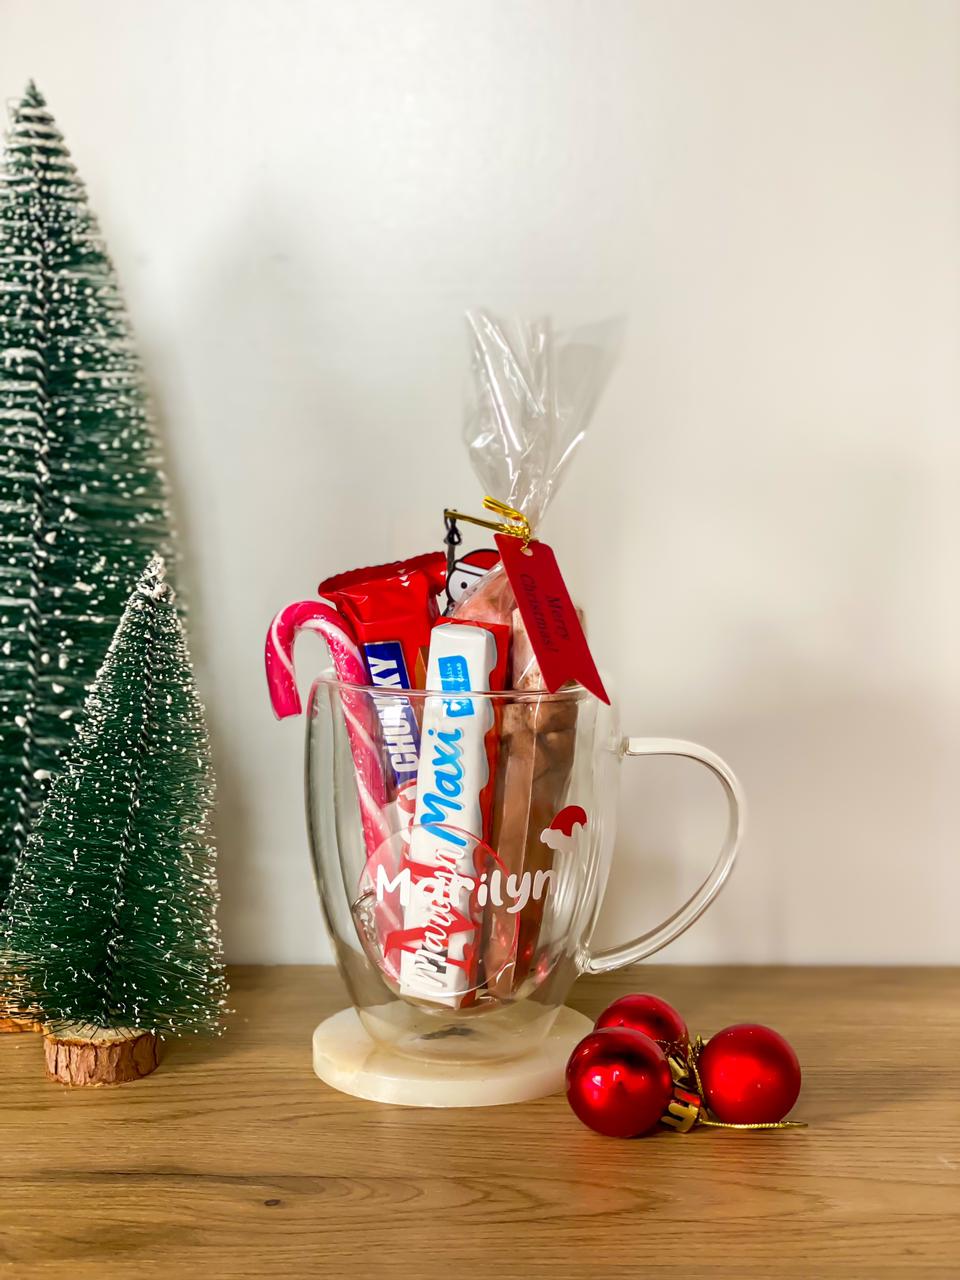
(645, 945)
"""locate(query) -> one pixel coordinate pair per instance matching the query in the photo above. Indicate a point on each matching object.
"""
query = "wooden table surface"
(234, 1161)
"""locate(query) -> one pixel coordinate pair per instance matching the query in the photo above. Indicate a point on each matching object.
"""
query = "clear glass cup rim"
(569, 693)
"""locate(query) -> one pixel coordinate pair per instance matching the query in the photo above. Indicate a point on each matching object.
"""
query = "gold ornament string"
(693, 1053)
(770, 1124)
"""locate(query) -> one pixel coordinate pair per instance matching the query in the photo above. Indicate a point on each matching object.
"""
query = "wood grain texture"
(234, 1161)
(12, 1025)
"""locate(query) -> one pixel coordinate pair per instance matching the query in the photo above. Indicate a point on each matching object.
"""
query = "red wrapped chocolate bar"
(391, 608)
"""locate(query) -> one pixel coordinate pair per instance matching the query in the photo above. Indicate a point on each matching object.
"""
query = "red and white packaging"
(438, 961)
(392, 605)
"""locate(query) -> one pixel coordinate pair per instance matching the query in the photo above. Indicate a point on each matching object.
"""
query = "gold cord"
(772, 1124)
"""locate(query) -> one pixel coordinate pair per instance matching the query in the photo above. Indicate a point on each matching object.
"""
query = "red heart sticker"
(549, 615)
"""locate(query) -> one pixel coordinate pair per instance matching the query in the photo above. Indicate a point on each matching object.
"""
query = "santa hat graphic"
(468, 570)
(561, 833)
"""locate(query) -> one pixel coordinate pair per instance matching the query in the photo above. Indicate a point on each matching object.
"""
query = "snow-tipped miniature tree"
(83, 500)
(110, 925)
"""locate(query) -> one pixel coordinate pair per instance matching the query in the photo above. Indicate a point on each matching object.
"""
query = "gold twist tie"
(513, 522)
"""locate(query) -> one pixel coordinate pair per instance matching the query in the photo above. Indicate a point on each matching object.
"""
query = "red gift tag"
(548, 614)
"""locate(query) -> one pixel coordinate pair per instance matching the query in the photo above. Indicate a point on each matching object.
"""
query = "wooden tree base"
(12, 1022)
(79, 1056)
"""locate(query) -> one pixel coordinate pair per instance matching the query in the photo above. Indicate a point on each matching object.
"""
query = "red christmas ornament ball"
(750, 1074)
(619, 1082)
(649, 1014)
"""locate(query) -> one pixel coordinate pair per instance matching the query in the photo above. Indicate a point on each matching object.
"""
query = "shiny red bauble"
(750, 1075)
(619, 1082)
(649, 1014)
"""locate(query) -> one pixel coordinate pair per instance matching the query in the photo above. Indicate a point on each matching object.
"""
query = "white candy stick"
(439, 925)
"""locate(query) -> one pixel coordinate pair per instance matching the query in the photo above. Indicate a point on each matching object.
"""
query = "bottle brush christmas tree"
(82, 498)
(110, 924)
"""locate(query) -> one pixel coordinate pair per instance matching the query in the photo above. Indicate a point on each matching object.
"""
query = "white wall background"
(302, 197)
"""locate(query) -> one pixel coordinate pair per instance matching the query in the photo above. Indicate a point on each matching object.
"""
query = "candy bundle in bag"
(462, 798)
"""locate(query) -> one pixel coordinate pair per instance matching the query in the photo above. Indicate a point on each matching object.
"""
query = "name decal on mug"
(519, 890)
(493, 888)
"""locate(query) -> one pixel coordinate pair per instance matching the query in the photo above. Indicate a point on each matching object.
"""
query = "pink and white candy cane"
(313, 615)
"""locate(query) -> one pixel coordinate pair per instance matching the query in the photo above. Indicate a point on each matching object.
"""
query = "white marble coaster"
(345, 1057)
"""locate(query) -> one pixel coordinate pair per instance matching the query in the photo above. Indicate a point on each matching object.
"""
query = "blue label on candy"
(401, 734)
(455, 678)
(387, 667)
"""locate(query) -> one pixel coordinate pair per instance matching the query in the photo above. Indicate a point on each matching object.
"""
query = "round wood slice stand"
(99, 1056)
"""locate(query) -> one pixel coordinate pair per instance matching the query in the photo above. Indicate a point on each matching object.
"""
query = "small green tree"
(110, 920)
(83, 501)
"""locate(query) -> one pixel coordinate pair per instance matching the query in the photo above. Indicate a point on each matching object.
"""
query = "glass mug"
(471, 956)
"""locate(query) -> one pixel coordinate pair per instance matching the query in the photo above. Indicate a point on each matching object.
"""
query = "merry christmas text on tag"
(549, 615)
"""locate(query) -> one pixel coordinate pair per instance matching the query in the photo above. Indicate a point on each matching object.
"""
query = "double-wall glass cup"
(462, 915)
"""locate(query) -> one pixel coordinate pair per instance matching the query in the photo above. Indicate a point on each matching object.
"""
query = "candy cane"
(307, 615)
(312, 615)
